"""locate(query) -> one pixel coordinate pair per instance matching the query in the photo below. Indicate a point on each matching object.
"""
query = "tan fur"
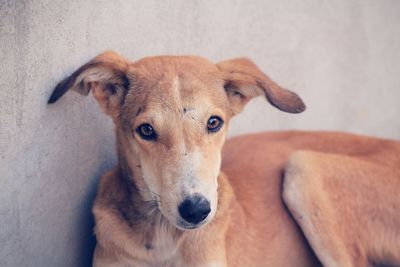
(342, 191)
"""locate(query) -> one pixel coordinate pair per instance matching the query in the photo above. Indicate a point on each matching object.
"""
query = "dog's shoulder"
(111, 228)
(110, 195)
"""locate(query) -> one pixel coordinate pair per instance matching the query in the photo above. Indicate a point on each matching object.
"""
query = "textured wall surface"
(343, 57)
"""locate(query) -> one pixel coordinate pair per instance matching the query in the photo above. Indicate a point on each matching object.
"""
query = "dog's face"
(171, 115)
(174, 123)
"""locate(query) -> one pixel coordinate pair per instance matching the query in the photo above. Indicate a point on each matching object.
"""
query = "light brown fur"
(342, 192)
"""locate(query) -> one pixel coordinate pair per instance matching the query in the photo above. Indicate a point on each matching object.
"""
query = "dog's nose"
(194, 209)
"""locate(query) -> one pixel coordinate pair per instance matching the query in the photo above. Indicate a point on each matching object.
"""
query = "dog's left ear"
(105, 76)
(244, 81)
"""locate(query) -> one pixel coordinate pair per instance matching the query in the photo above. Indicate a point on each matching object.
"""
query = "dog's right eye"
(146, 132)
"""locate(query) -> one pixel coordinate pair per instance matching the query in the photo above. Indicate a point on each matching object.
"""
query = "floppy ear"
(105, 76)
(244, 81)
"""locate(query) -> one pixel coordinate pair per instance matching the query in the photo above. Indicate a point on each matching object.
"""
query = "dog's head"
(171, 114)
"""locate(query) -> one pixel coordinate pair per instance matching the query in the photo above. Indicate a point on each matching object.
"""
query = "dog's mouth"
(182, 225)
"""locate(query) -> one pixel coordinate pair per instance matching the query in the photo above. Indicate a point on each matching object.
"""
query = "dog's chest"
(161, 249)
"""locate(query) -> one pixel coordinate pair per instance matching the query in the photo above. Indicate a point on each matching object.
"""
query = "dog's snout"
(194, 209)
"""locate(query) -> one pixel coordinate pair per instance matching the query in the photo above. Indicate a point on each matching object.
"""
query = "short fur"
(341, 190)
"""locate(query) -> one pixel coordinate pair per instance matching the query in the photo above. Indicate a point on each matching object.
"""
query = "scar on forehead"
(138, 112)
(186, 109)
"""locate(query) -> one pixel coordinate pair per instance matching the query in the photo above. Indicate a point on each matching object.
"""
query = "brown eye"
(214, 124)
(146, 132)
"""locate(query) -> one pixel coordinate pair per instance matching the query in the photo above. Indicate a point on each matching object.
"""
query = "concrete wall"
(341, 56)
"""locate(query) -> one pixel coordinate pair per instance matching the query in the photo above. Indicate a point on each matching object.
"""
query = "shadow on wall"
(86, 223)
(87, 151)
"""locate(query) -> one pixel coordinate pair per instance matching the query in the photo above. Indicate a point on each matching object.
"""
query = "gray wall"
(341, 56)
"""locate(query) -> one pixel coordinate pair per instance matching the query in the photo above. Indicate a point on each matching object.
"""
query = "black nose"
(194, 209)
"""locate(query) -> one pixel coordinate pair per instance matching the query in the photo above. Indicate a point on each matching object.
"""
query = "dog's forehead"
(174, 83)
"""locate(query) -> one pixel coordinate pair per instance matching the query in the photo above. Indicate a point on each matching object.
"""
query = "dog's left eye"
(146, 132)
(214, 124)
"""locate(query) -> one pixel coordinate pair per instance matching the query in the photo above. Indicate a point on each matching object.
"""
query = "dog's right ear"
(105, 76)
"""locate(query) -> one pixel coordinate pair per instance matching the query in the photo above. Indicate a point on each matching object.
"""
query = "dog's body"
(168, 204)
(341, 188)
(262, 232)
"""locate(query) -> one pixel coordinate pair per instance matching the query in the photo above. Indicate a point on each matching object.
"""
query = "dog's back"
(255, 167)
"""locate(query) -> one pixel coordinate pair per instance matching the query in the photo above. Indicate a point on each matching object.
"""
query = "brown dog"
(168, 204)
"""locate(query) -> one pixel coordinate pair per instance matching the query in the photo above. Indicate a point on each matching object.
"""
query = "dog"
(273, 199)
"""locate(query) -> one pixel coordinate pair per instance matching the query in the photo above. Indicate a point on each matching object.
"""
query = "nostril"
(194, 209)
